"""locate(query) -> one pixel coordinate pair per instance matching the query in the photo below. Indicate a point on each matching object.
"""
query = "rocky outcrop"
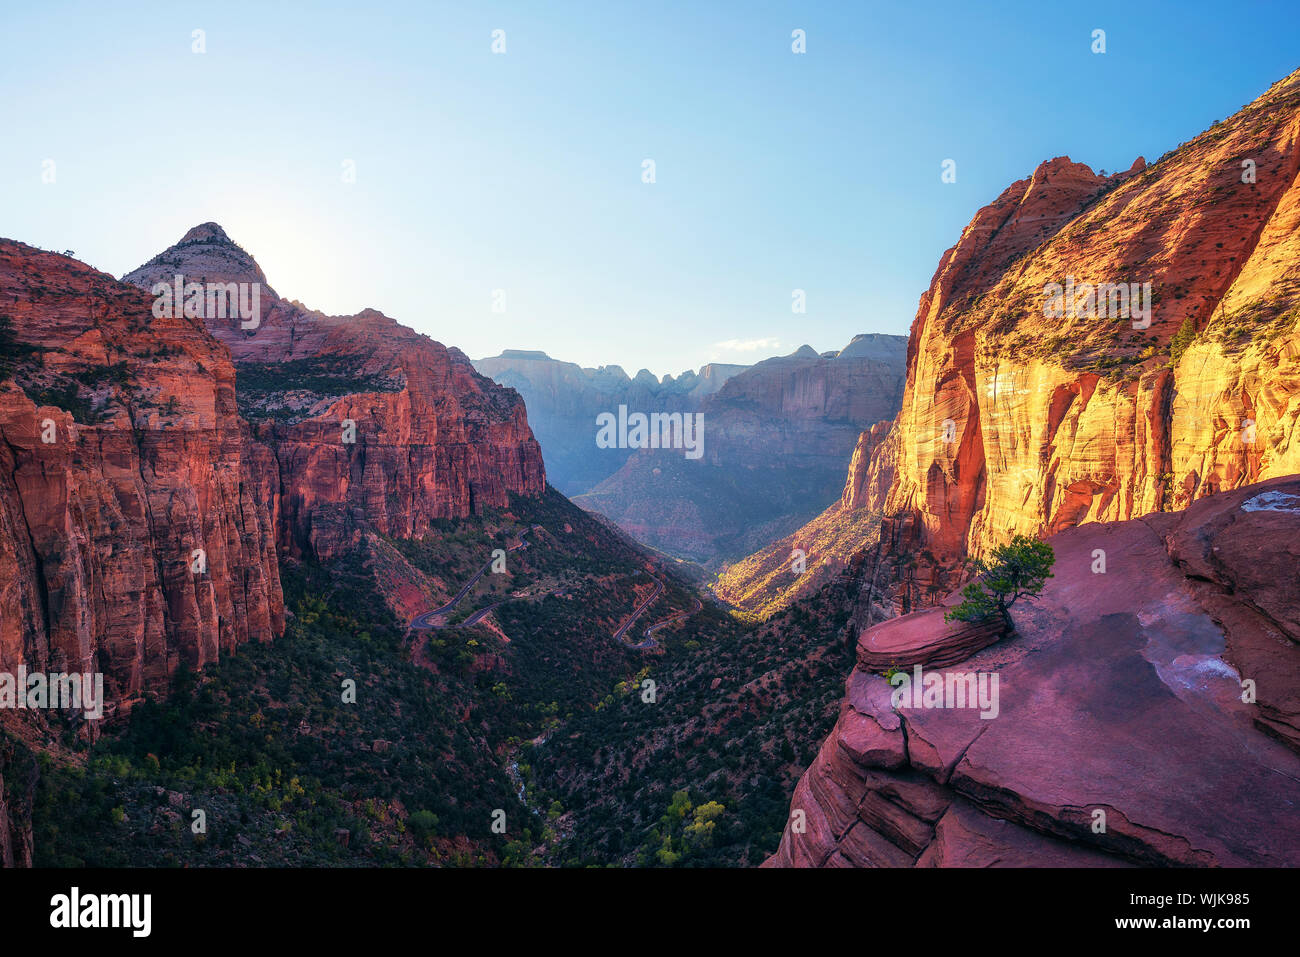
(1146, 712)
(564, 399)
(374, 427)
(924, 638)
(1016, 422)
(134, 529)
(871, 470)
(777, 438)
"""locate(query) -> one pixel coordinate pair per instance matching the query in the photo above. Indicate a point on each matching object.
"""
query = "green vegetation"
(260, 386)
(12, 352)
(1182, 339)
(1016, 570)
(738, 714)
(444, 732)
(67, 397)
(684, 832)
(283, 768)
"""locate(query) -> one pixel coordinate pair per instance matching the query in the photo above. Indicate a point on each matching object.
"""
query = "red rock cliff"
(431, 437)
(1013, 422)
(1120, 693)
(122, 454)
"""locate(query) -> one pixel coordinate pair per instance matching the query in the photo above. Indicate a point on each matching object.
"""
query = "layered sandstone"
(1013, 422)
(374, 427)
(135, 533)
(1146, 713)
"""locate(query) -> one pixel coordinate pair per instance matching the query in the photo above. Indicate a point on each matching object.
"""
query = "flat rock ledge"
(924, 638)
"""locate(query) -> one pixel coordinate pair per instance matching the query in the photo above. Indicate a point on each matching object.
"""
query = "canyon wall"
(1169, 448)
(777, 438)
(564, 399)
(142, 517)
(373, 426)
(135, 532)
(1013, 422)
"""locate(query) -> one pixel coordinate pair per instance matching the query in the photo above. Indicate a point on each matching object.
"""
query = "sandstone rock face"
(564, 399)
(777, 438)
(871, 470)
(373, 426)
(1121, 692)
(135, 533)
(923, 638)
(1013, 422)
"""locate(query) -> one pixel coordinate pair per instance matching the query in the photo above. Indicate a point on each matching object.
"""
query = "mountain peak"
(204, 254)
(205, 232)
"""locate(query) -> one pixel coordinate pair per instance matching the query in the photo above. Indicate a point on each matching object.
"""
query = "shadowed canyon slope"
(1121, 693)
(433, 438)
(777, 438)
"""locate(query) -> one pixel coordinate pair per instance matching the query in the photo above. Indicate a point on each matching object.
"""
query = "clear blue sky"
(522, 171)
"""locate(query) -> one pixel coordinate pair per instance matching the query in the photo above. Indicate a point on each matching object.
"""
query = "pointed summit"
(205, 232)
(204, 254)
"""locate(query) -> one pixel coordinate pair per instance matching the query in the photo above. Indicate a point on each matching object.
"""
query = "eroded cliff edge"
(135, 532)
(1121, 692)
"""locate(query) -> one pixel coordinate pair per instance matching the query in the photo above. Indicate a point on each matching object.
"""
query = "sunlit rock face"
(1015, 421)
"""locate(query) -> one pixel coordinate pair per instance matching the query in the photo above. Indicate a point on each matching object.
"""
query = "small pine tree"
(1016, 570)
(1181, 340)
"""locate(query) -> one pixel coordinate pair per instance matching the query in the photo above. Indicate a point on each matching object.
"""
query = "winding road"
(436, 618)
(425, 621)
(664, 623)
(636, 613)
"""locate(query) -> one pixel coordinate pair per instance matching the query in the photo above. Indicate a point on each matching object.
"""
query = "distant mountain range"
(563, 400)
(778, 437)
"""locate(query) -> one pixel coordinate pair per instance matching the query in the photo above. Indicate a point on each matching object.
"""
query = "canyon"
(165, 479)
(777, 439)
(1056, 422)
(1151, 697)
(564, 400)
(147, 506)
(429, 437)
(144, 517)
(1016, 423)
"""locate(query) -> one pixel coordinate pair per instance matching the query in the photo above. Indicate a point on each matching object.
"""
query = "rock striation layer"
(1016, 422)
